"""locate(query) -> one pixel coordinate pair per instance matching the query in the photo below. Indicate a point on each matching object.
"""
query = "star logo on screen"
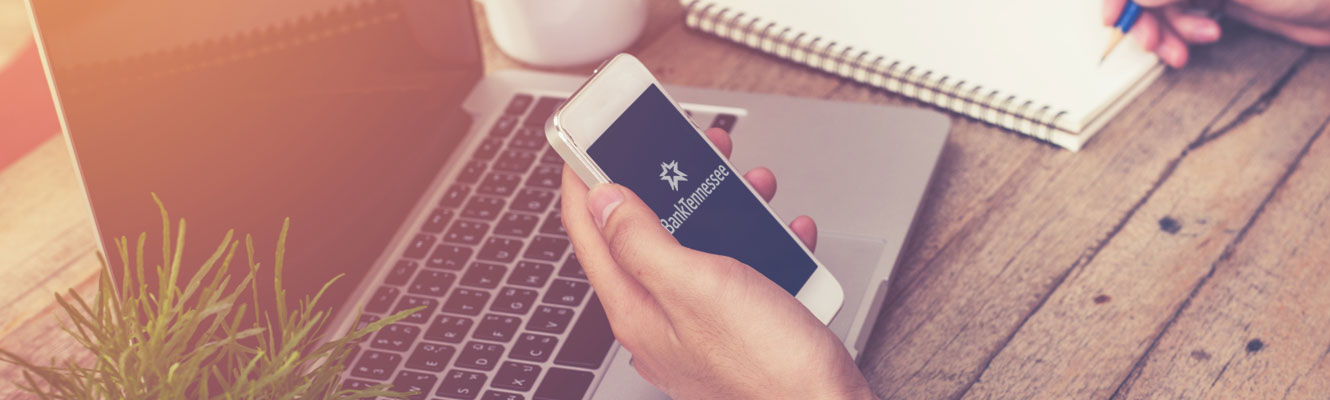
(669, 172)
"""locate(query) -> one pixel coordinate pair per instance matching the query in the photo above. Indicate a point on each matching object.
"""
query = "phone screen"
(654, 150)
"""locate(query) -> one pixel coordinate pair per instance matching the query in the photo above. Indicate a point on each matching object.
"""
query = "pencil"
(1130, 13)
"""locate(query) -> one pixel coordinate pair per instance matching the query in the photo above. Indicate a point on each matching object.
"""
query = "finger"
(721, 139)
(1146, 31)
(642, 247)
(1112, 10)
(1172, 49)
(763, 181)
(1159, 3)
(626, 301)
(1314, 36)
(806, 230)
(1190, 27)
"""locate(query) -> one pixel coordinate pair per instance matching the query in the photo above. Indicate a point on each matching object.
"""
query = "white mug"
(562, 33)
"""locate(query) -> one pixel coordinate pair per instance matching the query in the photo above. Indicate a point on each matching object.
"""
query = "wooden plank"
(15, 34)
(1256, 329)
(41, 339)
(44, 231)
(990, 256)
(683, 56)
(1086, 338)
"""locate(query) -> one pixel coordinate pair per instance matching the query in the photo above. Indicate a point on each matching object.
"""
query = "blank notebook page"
(1044, 51)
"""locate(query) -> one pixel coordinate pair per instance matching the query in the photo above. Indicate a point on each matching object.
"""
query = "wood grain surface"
(1183, 254)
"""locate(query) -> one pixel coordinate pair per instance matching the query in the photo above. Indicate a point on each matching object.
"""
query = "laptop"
(424, 180)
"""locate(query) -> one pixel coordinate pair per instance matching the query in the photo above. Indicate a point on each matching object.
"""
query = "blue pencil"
(1130, 13)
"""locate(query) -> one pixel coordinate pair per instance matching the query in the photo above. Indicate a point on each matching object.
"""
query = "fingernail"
(1210, 31)
(602, 200)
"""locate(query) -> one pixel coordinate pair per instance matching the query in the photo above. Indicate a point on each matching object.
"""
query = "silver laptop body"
(409, 170)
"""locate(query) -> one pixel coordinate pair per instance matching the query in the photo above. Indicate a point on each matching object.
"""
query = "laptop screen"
(241, 113)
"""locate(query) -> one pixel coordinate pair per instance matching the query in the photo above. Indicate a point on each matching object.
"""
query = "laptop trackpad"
(851, 260)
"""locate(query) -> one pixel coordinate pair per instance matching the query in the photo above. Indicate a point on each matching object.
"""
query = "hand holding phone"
(622, 127)
(698, 324)
(715, 328)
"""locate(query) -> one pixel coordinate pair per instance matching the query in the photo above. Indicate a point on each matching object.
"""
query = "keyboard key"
(484, 275)
(401, 272)
(462, 385)
(532, 274)
(549, 156)
(724, 121)
(515, 161)
(448, 328)
(432, 283)
(497, 395)
(466, 301)
(514, 300)
(547, 248)
(499, 184)
(544, 108)
(421, 384)
(572, 268)
(438, 219)
(383, 298)
(356, 384)
(447, 256)
(489, 147)
(466, 232)
(481, 356)
(550, 319)
(499, 328)
(504, 126)
(533, 347)
(514, 224)
(589, 340)
(546, 176)
(472, 172)
(430, 357)
(553, 224)
(455, 195)
(527, 143)
(566, 292)
(564, 384)
(483, 207)
(418, 317)
(516, 376)
(500, 249)
(363, 322)
(419, 246)
(376, 365)
(532, 200)
(395, 337)
(518, 104)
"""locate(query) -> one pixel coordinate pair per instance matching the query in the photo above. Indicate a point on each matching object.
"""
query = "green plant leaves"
(192, 341)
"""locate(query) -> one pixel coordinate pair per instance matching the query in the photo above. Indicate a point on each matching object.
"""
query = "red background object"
(27, 114)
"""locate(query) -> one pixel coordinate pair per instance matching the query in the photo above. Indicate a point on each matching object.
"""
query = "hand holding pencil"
(1169, 27)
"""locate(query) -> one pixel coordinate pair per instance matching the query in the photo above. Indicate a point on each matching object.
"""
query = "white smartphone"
(622, 127)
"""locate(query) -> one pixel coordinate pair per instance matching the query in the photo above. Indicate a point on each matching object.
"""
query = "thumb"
(636, 239)
(1159, 3)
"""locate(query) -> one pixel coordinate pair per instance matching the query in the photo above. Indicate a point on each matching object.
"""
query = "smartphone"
(622, 127)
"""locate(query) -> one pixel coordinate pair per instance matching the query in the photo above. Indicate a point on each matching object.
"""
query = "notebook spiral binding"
(946, 92)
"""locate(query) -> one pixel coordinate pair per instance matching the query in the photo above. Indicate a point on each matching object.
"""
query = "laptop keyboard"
(508, 313)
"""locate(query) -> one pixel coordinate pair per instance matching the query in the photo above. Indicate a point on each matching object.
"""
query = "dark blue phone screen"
(653, 150)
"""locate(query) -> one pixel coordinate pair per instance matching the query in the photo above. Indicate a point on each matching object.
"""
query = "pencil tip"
(1112, 44)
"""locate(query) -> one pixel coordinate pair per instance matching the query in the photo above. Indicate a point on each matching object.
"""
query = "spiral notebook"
(1028, 66)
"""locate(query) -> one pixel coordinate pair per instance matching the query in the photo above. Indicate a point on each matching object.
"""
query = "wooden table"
(1184, 253)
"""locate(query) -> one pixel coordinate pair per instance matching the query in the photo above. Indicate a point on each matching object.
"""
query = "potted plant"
(204, 338)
